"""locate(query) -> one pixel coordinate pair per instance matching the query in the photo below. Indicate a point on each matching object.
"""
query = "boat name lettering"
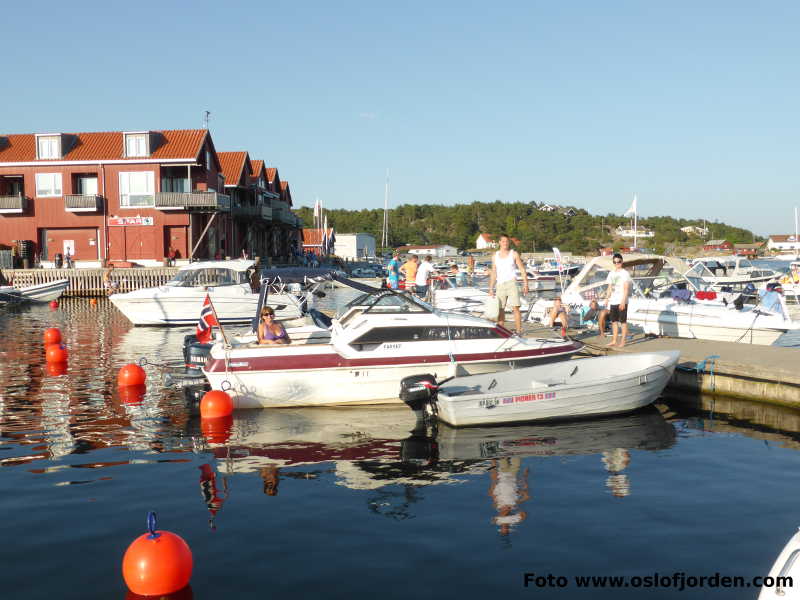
(391, 346)
(492, 402)
(239, 364)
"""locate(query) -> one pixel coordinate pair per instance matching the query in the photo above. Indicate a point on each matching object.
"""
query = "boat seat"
(463, 390)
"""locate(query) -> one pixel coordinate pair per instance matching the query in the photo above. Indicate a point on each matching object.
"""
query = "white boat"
(379, 338)
(449, 296)
(665, 301)
(41, 292)
(733, 272)
(567, 390)
(180, 300)
(784, 573)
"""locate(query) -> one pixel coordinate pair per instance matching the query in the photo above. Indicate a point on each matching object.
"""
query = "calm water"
(343, 503)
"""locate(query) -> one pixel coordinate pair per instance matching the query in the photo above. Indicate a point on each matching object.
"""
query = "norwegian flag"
(208, 318)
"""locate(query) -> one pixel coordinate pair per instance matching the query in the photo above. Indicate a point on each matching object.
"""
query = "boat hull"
(538, 399)
(43, 292)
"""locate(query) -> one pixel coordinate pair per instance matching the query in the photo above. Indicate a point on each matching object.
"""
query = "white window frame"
(125, 194)
(140, 148)
(49, 185)
(52, 146)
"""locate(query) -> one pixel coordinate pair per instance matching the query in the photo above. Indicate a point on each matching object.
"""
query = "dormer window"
(137, 144)
(48, 146)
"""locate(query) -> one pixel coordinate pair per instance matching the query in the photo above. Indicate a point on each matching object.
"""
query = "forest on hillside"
(537, 230)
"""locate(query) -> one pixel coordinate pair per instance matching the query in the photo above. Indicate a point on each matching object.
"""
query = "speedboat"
(180, 300)
(360, 357)
(568, 390)
(783, 573)
(41, 292)
(732, 272)
(667, 299)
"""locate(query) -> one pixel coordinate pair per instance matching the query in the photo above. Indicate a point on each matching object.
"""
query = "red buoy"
(54, 304)
(184, 594)
(132, 394)
(157, 563)
(56, 353)
(131, 374)
(93, 301)
(217, 430)
(55, 369)
(52, 335)
(214, 404)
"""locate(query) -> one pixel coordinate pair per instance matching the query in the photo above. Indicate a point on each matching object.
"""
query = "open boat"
(732, 272)
(668, 299)
(572, 389)
(180, 300)
(449, 296)
(42, 292)
(360, 357)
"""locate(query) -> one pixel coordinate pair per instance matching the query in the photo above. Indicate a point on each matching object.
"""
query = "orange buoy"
(157, 563)
(185, 594)
(132, 394)
(131, 374)
(217, 430)
(93, 301)
(215, 403)
(56, 353)
(54, 304)
(52, 335)
(55, 369)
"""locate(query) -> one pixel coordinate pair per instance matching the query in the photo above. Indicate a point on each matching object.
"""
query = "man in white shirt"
(505, 264)
(619, 289)
(424, 271)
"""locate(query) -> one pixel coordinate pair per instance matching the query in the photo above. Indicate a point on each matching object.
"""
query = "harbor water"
(359, 502)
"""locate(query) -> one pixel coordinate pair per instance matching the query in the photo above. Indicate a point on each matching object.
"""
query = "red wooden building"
(718, 246)
(126, 196)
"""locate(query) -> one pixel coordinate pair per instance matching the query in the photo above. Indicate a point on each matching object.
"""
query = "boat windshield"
(385, 301)
(208, 278)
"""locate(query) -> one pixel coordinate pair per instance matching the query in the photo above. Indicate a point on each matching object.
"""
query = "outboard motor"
(195, 355)
(418, 390)
(419, 448)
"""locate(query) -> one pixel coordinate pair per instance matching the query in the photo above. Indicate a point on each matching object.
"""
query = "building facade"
(354, 245)
(127, 197)
(783, 243)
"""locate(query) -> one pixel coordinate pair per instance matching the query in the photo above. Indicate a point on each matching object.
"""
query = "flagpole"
(221, 328)
(635, 222)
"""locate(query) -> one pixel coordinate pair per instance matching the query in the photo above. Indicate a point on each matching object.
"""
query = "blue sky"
(691, 105)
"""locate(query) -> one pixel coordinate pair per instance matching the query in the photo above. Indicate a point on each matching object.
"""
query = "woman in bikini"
(270, 331)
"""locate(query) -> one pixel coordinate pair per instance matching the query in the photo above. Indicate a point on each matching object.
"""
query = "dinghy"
(566, 390)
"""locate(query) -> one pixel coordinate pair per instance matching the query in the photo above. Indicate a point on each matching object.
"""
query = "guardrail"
(89, 282)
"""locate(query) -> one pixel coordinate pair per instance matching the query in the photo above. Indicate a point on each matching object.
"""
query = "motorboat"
(784, 572)
(226, 282)
(731, 272)
(552, 268)
(360, 357)
(41, 292)
(668, 299)
(448, 295)
(568, 390)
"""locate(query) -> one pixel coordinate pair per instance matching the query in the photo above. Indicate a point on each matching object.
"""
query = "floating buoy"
(217, 430)
(52, 335)
(56, 353)
(157, 563)
(93, 301)
(131, 374)
(132, 394)
(53, 304)
(184, 594)
(214, 404)
(55, 369)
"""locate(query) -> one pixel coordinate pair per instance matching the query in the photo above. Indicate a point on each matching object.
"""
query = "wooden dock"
(89, 282)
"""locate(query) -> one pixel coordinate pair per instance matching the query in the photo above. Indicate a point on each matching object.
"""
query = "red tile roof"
(783, 238)
(284, 185)
(271, 172)
(256, 167)
(233, 165)
(313, 237)
(105, 145)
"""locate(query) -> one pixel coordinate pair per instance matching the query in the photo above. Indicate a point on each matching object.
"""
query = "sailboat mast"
(385, 236)
(796, 244)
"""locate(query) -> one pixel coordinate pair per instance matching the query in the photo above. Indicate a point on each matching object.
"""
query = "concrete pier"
(760, 373)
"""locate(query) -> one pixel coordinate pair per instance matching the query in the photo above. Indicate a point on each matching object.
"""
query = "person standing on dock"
(504, 275)
(393, 271)
(424, 272)
(409, 269)
(110, 285)
(619, 289)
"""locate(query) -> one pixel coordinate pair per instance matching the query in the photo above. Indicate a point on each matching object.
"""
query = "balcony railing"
(266, 213)
(288, 217)
(246, 211)
(195, 201)
(81, 203)
(13, 204)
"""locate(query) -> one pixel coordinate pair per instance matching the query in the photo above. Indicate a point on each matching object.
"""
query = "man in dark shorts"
(619, 289)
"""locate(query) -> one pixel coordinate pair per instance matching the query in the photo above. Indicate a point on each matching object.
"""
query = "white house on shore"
(354, 245)
(783, 243)
(436, 251)
(694, 230)
(629, 233)
(485, 241)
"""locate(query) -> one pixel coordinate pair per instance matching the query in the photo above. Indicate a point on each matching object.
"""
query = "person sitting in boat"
(594, 314)
(269, 330)
(558, 314)
(793, 276)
